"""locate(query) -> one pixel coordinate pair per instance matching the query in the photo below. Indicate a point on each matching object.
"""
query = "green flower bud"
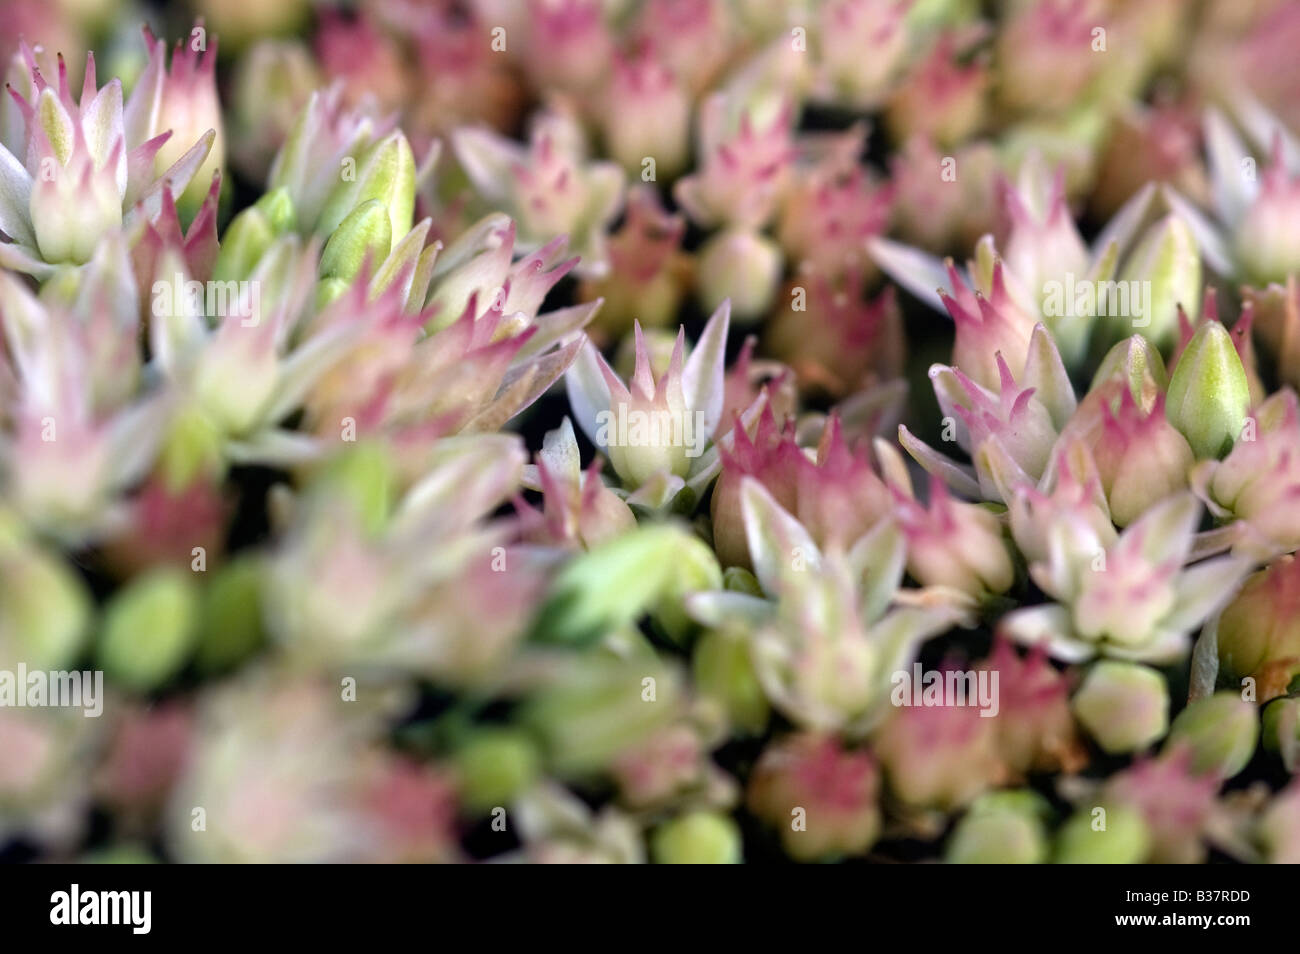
(365, 476)
(1002, 828)
(194, 448)
(1167, 258)
(494, 766)
(230, 618)
(698, 838)
(695, 568)
(597, 708)
(44, 609)
(724, 673)
(384, 172)
(741, 265)
(365, 235)
(1221, 729)
(250, 234)
(1281, 724)
(149, 629)
(1208, 394)
(1124, 706)
(1137, 363)
(612, 585)
(737, 579)
(1104, 835)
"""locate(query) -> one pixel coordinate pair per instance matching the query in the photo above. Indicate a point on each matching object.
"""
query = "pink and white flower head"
(942, 98)
(1258, 483)
(549, 187)
(691, 36)
(860, 46)
(939, 757)
(646, 115)
(569, 44)
(1177, 804)
(1009, 434)
(768, 455)
(1141, 458)
(1248, 237)
(838, 789)
(830, 212)
(1070, 490)
(187, 99)
(744, 169)
(88, 168)
(577, 508)
(654, 431)
(1045, 57)
(326, 134)
(837, 341)
(839, 496)
(72, 445)
(1132, 599)
(937, 213)
(648, 271)
(1035, 729)
(990, 316)
(826, 648)
(954, 545)
(364, 59)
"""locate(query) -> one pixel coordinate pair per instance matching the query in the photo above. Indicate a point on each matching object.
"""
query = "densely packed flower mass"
(650, 430)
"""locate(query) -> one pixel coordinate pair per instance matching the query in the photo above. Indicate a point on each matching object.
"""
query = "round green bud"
(1103, 835)
(1221, 729)
(1123, 706)
(230, 623)
(494, 766)
(149, 629)
(698, 838)
(1004, 828)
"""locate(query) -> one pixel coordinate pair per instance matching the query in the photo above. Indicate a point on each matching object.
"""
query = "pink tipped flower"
(577, 508)
(770, 456)
(1177, 804)
(1258, 483)
(832, 209)
(462, 79)
(837, 341)
(164, 240)
(1275, 314)
(88, 165)
(146, 756)
(746, 380)
(939, 212)
(1070, 490)
(1131, 600)
(366, 60)
(549, 187)
(822, 796)
(659, 768)
(1141, 458)
(860, 45)
(744, 169)
(954, 544)
(1045, 55)
(839, 495)
(188, 101)
(646, 115)
(569, 44)
(690, 36)
(410, 809)
(1263, 238)
(990, 320)
(942, 98)
(939, 757)
(647, 269)
(1009, 434)
(69, 452)
(654, 431)
(1035, 730)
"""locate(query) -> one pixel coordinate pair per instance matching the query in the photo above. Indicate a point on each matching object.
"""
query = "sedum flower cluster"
(688, 431)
